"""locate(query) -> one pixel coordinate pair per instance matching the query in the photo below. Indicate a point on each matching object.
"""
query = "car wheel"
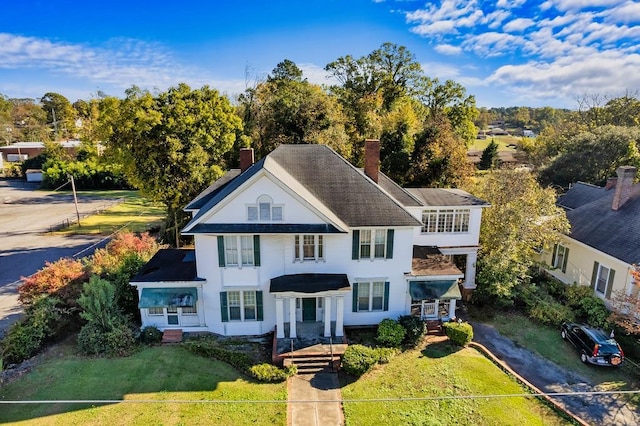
(563, 334)
(583, 357)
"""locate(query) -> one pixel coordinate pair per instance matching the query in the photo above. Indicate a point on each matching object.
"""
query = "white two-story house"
(304, 236)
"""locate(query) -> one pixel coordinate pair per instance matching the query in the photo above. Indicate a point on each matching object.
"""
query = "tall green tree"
(172, 144)
(61, 115)
(30, 121)
(523, 217)
(489, 156)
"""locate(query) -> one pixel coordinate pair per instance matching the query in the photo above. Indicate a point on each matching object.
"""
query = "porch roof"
(422, 290)
(429, 261)
(309, 283)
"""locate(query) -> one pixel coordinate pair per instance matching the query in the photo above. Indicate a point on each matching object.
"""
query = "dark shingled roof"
(309, 283)
(580, 194)
(397, 192)
(169, 265)
(263, 228)
(438, 197)
(616, 233)
(206, 195)
(345, 191)
(429, 261)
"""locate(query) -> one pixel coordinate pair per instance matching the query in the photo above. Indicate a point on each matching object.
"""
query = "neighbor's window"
(309, 247)
(603, 279)
(561, 255)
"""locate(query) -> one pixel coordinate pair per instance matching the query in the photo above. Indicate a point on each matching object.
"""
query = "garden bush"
(62, 278)
(384, 355)
(42, 321)
(594, 312)
(358, 359)
(150, 335)
(574, 294)
(119, 340)
(414, 330)
(550, 312)
(270, 373)
(460, 333)
(390, 333)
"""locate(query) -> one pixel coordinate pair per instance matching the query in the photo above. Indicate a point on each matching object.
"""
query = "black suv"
(595, 346)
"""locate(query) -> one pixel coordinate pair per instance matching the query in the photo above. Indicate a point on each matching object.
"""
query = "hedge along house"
(302, 236)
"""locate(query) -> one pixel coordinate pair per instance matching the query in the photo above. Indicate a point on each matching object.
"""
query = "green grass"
(502, 141)
(160, 373)
(136, 213)
(546, 342)
(442, 370)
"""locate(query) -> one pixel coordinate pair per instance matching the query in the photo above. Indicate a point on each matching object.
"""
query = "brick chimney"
(372, 158)
(246, 158)
(626, 174)
(611, 183)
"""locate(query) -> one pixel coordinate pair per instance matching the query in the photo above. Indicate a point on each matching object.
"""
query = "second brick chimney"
(372, 158)
(626, 174)
(246, 158)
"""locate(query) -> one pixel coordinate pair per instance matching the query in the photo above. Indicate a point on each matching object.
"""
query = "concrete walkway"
(314, 400)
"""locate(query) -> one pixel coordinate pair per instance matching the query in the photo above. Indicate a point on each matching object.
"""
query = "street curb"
(506, 368)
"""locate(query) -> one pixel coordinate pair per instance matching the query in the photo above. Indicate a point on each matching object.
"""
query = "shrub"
(270, 373)
(459, 333)
(575, 293)
(42, 322)
(150, 335)
(390, 333)
(63, 278)
(414, 330)
(117, 341)
(550, 312)
(554, 288)
(384, 355)
(209, 348)
(594, 311)
(358, 359)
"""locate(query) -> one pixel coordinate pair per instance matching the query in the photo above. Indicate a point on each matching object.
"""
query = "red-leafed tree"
(626, 307)
(62, 278)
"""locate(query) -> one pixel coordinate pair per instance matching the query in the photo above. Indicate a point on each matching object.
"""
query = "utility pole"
(75, 198)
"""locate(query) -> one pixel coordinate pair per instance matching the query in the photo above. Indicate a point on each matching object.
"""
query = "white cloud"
(518, 25)
(627, 13)
(448, 49)
(510, 4)
(440, 27)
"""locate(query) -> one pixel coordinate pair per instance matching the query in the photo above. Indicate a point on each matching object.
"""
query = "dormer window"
(264, 210)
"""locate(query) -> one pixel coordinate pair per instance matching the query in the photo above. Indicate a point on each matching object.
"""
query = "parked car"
(594, 345)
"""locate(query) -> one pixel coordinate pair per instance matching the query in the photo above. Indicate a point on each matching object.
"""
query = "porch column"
(470, 272)
(327, 316)
(280, 318)
(452, 308)
(292, 318)
(339, 315)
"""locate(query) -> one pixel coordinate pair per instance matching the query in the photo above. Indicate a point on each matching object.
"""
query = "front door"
(309, 309)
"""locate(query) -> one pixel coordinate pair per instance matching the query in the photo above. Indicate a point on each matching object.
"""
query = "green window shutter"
(355, 247)
(566, 258)
(259, 305)
(220, 251)
(390, 233)
(355, 297)
(594, 274)
(386, 296)
(256, 250)
(224, 312)
(612, 274)
(553, 256)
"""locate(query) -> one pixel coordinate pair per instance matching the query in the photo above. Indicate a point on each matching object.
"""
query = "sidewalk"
(314, 400)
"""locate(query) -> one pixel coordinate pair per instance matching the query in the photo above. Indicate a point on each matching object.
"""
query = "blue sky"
(505, 52)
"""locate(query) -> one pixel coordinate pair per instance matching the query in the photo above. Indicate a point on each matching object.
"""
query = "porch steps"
(312, 364)
(172, 336)
(434, 327)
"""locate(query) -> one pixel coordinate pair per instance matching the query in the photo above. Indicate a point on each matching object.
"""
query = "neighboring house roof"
(169, 265)
(580, 194)
(329, 179)
(440, 197)
(616, 233)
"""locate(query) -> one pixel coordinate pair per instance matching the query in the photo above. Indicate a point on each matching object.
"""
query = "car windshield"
(607, 349)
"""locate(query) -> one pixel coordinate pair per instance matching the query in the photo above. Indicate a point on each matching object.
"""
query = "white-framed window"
(308, 247)
(371, 296)
(445, 221)
(241, 305)
(189, 310)
(560, 257)
(155, 311)
(239, 250)
(603, 279)
(373, 244)
(264, 210)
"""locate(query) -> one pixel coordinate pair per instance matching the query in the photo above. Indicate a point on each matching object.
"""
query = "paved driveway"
(26, 214)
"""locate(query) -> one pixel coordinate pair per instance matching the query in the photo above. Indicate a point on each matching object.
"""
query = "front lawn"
(168, 373)
(441, 370)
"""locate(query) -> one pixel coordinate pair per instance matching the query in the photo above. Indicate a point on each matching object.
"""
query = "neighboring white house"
(304, 236)
(604, 241)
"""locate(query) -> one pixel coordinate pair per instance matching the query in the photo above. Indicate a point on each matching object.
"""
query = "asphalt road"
(607, 409)
(26, 216)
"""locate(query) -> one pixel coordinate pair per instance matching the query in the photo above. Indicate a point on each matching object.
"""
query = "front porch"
(310, 351)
